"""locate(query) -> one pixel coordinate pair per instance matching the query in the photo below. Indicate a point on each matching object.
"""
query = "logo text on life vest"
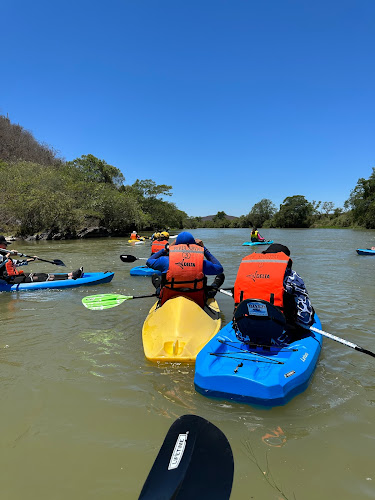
(178, 451)
(257, 275)
(183, 263)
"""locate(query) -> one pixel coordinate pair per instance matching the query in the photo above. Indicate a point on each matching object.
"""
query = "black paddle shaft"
(131, 258)
(56, 262)
(194, 462)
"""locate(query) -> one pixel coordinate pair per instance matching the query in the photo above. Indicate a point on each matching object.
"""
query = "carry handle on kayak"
(56, 262)
(195, 461)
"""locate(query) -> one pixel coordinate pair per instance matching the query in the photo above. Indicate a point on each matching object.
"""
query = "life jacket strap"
(171, 284)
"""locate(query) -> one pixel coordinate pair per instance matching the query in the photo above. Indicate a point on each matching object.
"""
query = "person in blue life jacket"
(184, 266)
(280, 295)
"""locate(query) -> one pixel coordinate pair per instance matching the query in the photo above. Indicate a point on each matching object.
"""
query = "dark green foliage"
(295, 211)
(261, 212)
(95, 170)
(38, 198)
(42, 193)
(362, 202)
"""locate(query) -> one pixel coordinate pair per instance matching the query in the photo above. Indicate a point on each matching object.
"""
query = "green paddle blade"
(104, 301)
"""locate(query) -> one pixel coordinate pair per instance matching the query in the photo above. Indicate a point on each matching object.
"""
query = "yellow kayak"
(179, 329)
(142, 240)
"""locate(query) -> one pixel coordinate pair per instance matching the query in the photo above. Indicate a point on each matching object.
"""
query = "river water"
(84, 414)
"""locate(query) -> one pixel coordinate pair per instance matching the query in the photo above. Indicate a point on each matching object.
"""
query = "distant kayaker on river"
(255, 236)
(184, 270)
(9, 268)
(135, 236)
(159, 242)
(268, 276)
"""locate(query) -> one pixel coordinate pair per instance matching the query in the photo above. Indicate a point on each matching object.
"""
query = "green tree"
(295, 211)
(219, 217)
(362, 202)
(328, 207)
(260, 212)
(95, 170)
(148, 189)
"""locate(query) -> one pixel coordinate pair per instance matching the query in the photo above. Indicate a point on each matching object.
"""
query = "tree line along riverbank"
(45, 196)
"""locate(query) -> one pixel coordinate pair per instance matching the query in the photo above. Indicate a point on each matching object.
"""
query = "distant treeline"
(296, 211)
(41, 192)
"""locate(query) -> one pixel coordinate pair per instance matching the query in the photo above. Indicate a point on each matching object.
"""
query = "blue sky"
(227, 101)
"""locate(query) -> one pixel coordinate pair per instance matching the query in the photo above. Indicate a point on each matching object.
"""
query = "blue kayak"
(365, 251)
(228, 369)
(143, 271)
(255, 243)
(84, 280)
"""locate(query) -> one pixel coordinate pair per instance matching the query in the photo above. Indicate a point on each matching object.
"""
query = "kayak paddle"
(107, 300)
(56, 262)
(342, 341)
(325, 334)
(131, 258)
(195, 461)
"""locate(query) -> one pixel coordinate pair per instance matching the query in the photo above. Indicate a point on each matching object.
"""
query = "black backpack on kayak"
(259, 321)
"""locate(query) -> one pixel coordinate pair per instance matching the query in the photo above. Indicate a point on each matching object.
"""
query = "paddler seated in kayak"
(184, 270)
(165, 234)
(255, 236)
(281, 309)
(155, 236)
(159, 242)
(9, 268)
(135, 236)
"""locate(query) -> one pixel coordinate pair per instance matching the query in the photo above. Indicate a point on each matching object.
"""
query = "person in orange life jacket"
(10, 273)
(159, 242)
(255, 236)
(268, 276)
(184, 270)
(135, 236)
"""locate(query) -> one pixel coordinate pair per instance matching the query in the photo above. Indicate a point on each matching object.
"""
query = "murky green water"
(83, 414)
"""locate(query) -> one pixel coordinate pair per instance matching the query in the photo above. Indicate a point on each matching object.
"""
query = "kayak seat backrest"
(259, 321)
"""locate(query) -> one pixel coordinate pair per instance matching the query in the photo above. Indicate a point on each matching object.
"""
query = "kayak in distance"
(365, 251)
(266, 376)
(143, 271)
(255, 243)
(177, 330)
(84, 280)
(136, 242)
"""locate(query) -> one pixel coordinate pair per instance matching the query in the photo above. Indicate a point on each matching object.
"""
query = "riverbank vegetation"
(43, 193)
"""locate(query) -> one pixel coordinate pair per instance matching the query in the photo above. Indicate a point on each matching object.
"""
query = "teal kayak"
(84, 280)
(254, 243)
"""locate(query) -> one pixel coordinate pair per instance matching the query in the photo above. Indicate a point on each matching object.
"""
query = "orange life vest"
(11, 269)
(185, 274)
(158, 245)
(261, 276)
